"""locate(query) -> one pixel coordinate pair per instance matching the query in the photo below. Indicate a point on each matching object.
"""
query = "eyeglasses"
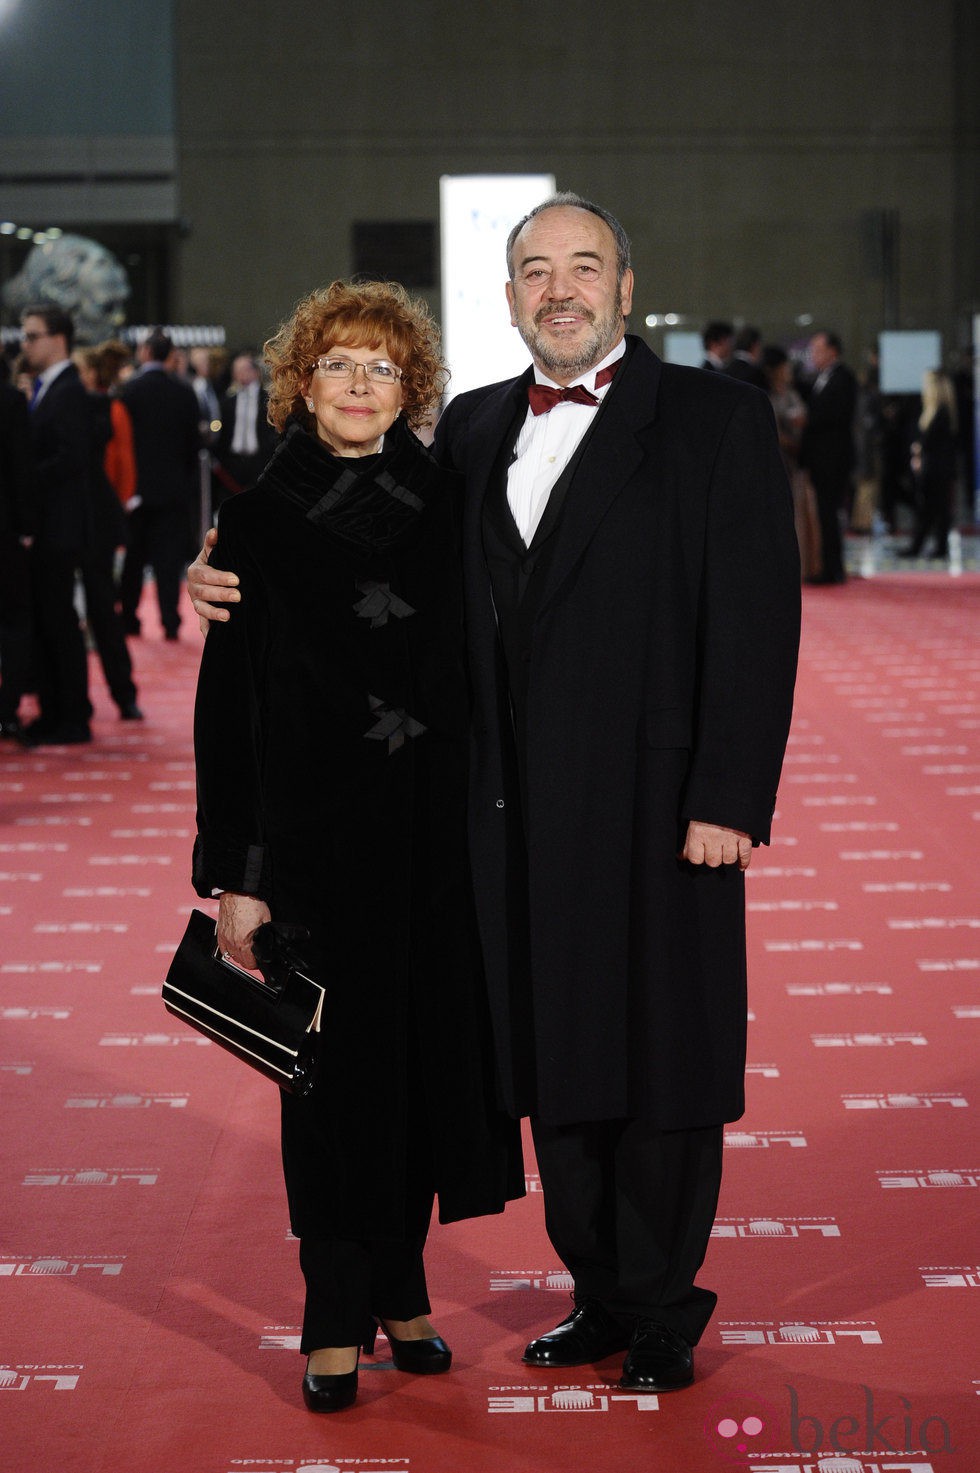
(32, 337)
(378, 371)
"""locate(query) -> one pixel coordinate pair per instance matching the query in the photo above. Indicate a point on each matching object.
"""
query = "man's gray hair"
(567, 199)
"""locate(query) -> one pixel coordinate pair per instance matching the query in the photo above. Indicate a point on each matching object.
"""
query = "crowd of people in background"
(853, 456)
(101, 478)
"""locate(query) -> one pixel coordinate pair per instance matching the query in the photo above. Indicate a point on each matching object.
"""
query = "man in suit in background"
(166, 439)
(18, 512)
(717, 339)
(632, 588)
(202, 381)
(246, 439)
(746, 361)
(62, 433)
(828, 449)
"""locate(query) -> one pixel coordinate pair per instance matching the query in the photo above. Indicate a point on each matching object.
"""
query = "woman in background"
(790, 412)
(113, 483)
(934, 464)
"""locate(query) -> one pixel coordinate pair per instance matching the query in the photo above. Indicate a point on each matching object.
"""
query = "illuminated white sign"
(478, 212)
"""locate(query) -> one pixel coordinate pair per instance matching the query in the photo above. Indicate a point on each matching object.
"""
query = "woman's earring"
(309, 405)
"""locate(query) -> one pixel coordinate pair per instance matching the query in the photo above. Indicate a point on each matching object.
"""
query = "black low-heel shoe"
(330, 1393)
(419, 1357)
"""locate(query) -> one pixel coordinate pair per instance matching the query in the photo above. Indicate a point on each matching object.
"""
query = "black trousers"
(158, 536)
(351, 1280)
(934, 514)
(629, 1212)
(830, 495)
(106, 625)
(347, 1282)
(16, 623)
(62, 664)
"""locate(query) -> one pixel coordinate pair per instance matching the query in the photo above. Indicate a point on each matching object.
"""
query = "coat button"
(500, 802)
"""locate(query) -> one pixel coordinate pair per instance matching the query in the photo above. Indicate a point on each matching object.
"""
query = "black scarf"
(370, 503)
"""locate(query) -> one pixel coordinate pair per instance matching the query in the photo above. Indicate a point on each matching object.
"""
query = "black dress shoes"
(130, 712)
(658, 1359)
(589, 1334)
(419, 1357)
(40, 734)
(330, 1393)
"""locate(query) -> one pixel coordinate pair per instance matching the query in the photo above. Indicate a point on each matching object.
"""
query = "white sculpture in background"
(79, 275)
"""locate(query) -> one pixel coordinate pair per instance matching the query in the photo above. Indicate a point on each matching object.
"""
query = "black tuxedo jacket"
(661, 669)
(828, 447)
(265, 435)
(166, 436)
(18, 479)
(747, 372)
(62, 435)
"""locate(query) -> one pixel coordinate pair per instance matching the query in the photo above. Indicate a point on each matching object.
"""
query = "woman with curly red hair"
(331, 739)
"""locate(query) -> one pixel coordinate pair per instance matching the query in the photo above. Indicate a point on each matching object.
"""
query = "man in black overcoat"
(633, 630)
(745, 363)
(632, 586)
(62, 432)
(828, 449)
(18, 512)
(166, 439)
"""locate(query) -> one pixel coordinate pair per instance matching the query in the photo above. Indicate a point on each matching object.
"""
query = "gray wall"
(86, 112)
(753, 148)
(749, 146)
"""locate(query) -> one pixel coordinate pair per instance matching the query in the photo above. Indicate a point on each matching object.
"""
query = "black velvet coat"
(331, 737)
(660, 665)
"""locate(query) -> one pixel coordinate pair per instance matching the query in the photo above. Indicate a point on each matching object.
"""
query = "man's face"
(41, 348)
(244, 372)
(564, 299)
(822, 354)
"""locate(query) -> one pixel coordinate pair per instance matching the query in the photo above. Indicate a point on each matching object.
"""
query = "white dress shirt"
(546, 444)
(245, 440)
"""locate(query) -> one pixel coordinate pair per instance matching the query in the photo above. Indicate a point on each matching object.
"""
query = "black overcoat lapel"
(486, 432)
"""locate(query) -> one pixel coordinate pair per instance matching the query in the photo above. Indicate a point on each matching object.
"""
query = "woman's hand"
(239, 917)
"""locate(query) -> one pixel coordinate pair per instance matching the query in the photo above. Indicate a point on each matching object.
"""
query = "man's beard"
(576, 358)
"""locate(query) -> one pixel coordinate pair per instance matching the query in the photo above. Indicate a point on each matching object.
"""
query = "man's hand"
(210, 587)
(710, 844)
(239, 917)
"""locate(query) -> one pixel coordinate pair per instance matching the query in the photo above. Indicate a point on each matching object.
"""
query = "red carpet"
(149, 1294)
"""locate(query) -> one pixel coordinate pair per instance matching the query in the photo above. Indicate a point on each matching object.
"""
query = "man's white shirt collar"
(547, 443)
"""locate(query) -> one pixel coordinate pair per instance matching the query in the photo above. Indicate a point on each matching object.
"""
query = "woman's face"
(352, 413)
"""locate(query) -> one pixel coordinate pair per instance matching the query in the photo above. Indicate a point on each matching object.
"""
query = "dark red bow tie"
(543, 397)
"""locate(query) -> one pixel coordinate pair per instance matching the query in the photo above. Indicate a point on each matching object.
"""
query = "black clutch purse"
(269, 1022)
